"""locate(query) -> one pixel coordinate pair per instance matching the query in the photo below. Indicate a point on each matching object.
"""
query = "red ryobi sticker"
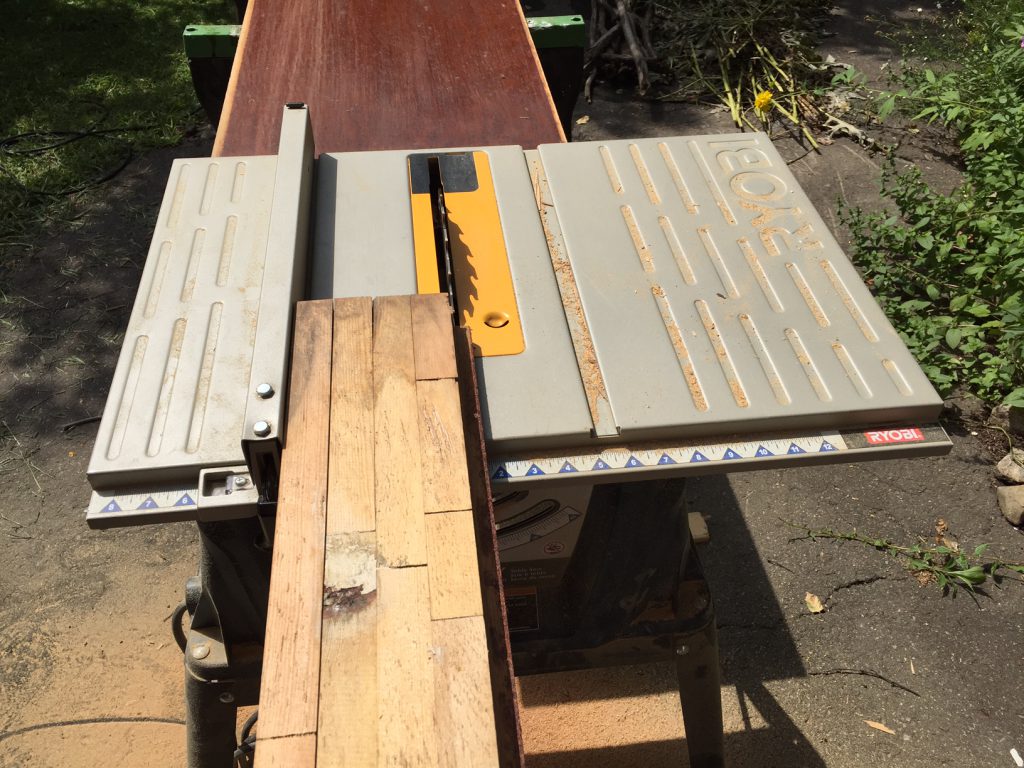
(888, 436)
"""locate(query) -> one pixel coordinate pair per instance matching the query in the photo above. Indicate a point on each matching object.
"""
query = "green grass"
(75, 65)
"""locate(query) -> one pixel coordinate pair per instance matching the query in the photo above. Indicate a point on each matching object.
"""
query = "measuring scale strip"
(178, 498)
(624, 459)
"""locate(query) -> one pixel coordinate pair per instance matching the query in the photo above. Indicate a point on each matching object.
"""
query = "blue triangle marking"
(698, 456)
(666, 459)
(185, 501)
(567, 467)
(762, 452)
(113, 506)
(794, 448)
(148, 504)
(600, 464)
(534, 470)
(826, 446)
(731, 454)
(500, 474)
(634, 462)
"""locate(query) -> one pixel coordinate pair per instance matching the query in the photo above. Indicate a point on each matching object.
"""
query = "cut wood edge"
(506, 714)
(229, 95)
(540, 71)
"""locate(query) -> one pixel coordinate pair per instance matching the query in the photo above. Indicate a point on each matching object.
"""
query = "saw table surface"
(407, 75)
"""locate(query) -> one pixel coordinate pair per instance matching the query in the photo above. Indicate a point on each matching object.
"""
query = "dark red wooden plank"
(387, 74)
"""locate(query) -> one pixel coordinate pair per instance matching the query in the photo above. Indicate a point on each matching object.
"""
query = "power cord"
(34, 143)
(176, 629)
(245, 753)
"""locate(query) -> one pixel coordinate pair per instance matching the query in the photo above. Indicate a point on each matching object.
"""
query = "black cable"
(248, 724)
(245, 754)
(246, 750)
(13, 146)
(177, 630)
(88, 721)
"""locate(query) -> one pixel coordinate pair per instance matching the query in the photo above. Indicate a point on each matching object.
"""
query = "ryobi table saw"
(641, 311)
(658, 307)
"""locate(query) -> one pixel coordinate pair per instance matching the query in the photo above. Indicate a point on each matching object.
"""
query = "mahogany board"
(387, 74)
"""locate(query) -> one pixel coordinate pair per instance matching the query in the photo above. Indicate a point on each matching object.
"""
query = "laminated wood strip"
(349, 705)
(398, 485)
(287, 751)
(377, 655)
(405, 669)
(348, 660)
(434, 349)
(442, 446)
(464, 713)
(351, 478)
(291, 656)
(452, 565)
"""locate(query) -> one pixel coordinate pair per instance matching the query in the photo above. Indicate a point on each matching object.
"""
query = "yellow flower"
(763, 102)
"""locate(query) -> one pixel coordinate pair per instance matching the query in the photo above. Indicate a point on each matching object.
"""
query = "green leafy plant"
(943, 563)
(949, 269)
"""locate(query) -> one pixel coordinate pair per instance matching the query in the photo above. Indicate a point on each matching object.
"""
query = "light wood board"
(383, 568)
(291, 651)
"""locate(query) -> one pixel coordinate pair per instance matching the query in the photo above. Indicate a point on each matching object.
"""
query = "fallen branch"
(619, 35)
(866, 673)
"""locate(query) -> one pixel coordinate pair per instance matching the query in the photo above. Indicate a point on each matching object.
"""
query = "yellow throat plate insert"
(460, 247)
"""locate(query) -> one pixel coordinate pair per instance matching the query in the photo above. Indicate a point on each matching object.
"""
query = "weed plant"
(949, 269)
(746, 49)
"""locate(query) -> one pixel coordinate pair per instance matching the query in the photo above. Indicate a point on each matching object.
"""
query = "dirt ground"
(90, 676)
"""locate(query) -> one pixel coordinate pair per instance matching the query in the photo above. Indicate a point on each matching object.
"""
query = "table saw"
(641, 311)
(639, 308)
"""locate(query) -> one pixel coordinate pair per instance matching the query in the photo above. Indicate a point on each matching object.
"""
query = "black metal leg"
(227, 605)
(210, 713)
(701, 696)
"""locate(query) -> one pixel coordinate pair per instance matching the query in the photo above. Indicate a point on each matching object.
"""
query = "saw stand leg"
(700, 692)
(227, 603)
(210, 706)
